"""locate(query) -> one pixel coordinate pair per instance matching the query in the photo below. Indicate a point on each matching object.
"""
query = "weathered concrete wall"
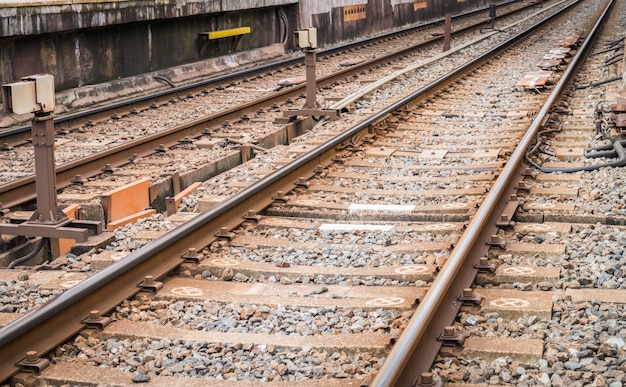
(380, 15)
(89, 43)
(50, 16)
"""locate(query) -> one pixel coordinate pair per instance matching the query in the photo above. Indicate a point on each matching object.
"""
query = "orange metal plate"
(65, 245)
(126, 200)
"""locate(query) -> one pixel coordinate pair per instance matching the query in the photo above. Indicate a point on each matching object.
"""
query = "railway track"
(223, 115)
(312, 270)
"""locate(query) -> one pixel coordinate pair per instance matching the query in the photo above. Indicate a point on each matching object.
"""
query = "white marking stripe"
(381, 208)
(351, 227)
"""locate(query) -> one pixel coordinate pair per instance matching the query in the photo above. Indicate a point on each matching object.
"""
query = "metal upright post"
(447, 32)
(45, 184)
(311, 77)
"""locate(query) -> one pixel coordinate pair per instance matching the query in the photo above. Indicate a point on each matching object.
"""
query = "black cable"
(30, 255)
(618, 151)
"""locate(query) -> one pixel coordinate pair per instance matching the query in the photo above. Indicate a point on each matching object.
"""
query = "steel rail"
(59, 319)
(417, 347)
(23, 190)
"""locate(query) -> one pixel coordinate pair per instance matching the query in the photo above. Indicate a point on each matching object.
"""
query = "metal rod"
(311, 77)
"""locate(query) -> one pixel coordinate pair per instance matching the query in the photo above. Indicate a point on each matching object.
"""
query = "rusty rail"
(417, 347)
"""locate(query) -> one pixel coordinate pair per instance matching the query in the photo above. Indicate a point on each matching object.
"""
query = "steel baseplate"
(333, 114)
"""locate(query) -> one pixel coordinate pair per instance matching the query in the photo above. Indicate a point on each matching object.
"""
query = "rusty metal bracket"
(252, 217)
(470, 298)
(150, 285)
(506, 219)
(451, 338)
(496, 241)
(428, 379)
(94, 226)
(320, 170)
(192, 256)
(78, 180)
(302, 183)
(224, 234)
(485, 267)
(33, 364)
(338, 159)
(96, 321)
(280, 197)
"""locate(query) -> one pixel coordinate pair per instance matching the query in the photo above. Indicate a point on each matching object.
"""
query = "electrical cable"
(30, 255)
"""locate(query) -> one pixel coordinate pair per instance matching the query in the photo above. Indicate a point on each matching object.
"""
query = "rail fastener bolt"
(32, 363)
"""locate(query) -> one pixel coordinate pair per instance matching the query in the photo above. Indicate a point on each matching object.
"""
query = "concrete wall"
(380, 15)
(95, 42)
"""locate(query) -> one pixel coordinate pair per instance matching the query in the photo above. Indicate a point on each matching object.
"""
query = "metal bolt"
(426, 378)
(31, 357)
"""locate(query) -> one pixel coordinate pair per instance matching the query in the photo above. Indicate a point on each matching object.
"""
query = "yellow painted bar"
(228, 33)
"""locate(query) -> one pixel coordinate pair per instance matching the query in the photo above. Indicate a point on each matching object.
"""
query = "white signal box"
(306, 38)
(33, 94)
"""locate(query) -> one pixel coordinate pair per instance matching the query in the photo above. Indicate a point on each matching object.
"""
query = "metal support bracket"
(192, 256)
(506, 218)
(470, 298)
(450, 338)
(96, 321)
(485, 267)
(31, 363)
(150, 285)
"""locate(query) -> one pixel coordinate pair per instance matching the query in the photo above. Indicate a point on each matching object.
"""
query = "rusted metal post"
(311, 77)
(447, 32)
(43, 142)
(45, 172)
